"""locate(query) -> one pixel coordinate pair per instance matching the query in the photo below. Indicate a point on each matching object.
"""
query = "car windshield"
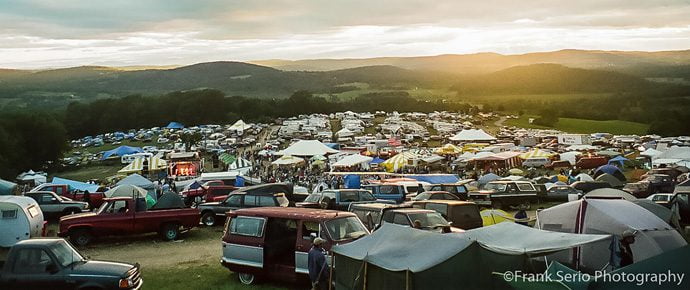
(495, 186)
(422, 196)
(346, 228)
(428, 219)
(65, 254)
(314, 197)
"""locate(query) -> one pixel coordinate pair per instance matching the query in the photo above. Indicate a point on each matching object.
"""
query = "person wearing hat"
(316, 262)
(627, 239)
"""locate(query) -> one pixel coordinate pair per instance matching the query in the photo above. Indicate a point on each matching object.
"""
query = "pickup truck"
(54, 264)
(196, 195)
(127, 216)
(504, 194)
(53, 205)
(96, 198)
(394, 192)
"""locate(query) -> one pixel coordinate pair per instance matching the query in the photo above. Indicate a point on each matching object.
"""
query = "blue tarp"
(6, 187)
(239, 181)
(335, 146)
(352, 181)
(76, 184)
(435, 178)
(122, 150)
(619, 159)
(174, 125)
(377, 160)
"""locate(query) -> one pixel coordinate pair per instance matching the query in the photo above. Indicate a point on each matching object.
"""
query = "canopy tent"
(174, 125)
(449, 149)
(536, 153)
(307, 148)
(317, 158)
(394, 142)
(609, 193)
(508, 159)
(137, 180)
(239, 126)
(608, 216)
(155, 163)
(227, 158)
(120, 151)
(398, 161)
(432, 158)
(239, 163)
(352, 160)
(78, 185)
(31, 176)
(611, 180)
(570, 156)
(472, 135)
(610, 169)
(398, 257)
(287, 160)
(7, 187)
(344, 132)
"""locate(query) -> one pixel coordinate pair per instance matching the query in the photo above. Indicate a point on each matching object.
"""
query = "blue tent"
(377, 160)
(352, 181)
(619, 159)
(78, 185)
(174, 125)
(335, 146)
(435, 178)
(122, 150)
(239, 181)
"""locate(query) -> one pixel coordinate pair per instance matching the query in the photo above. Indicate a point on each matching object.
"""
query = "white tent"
(126, 190)
(608, 216)
(472, 135)
(570, 156)
(287, 160)
(681, 153)
(239, 126)
(651, 153)
(344, 132)
(352, 160)
(584, 177)
(31, 176)
(307, 148)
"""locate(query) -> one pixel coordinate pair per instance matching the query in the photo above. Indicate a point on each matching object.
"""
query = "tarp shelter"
(307, 148)
(120, 151)
(169, 199)
(611, 180)
(610, 193)
(608, 153)
(398, 161)
(154, 164)
(174, 125)
(472, 135)
(352, 181)
(78, 185)
(536, 153)
(651, 153)
(287, 160)
(608, 216)
(609, 169)
(137, 180)
(353, 160)
(398, 257)
(7, 187)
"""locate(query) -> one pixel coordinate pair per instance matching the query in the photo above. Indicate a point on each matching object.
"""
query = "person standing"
(627, 239)
(318, 268)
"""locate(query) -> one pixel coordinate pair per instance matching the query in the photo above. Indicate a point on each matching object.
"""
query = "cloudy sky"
(59, 33)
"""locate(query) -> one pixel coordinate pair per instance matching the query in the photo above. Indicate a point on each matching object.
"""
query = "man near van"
(318, 268)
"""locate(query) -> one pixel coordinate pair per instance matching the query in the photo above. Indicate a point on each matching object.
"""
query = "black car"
(55, 264)
(561, 192)
(504, 194)
(458, 189)
(212, 212)
(338, 199)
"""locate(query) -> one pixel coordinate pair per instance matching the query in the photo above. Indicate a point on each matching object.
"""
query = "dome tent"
(133, 191)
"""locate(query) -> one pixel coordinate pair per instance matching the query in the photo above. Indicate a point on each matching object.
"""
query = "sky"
(63, 33)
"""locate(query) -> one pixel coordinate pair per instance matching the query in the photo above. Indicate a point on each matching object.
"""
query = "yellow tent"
(536, 153)
(449, 149)
(494, 216)
(155, 164)
(398, 161)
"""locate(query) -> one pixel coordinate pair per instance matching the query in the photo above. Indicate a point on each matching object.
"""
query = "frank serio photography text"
(638, 279)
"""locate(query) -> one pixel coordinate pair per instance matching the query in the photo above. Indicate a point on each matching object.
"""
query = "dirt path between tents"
(499, 122)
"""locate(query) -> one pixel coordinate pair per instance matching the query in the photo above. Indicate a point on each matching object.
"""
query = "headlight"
(126, 283)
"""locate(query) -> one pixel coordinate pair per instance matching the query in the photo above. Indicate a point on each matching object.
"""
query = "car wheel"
(208, 219)
(170, 232)
(81, 237)
(246, 279)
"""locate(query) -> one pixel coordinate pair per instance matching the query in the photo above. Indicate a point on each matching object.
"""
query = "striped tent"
(227, 158)
(155, 164)
(536, 153)
(398, 161)
(239, 163)
(449, 149)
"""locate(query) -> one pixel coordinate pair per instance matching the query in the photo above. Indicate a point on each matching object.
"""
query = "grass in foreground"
(584, 126)
(199, 276)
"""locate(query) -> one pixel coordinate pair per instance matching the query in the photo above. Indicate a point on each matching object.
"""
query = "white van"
(536, 162)
(129, 158)
(20, 219)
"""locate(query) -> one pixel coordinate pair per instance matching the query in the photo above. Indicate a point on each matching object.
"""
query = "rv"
(20, 219)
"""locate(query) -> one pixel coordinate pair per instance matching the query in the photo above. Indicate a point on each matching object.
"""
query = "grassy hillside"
(572, 125)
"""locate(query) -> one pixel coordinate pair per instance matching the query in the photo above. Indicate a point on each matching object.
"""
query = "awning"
(155, 164)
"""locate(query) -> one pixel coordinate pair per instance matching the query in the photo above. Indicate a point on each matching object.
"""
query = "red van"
(273, 242)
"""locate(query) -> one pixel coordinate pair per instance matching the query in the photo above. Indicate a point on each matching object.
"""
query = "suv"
(394, 192)
(461, 214)
(274, 242)
(53, 205)
(458, 189)
(423, 219)
(339, 199)
(503, 194)
(212, 212)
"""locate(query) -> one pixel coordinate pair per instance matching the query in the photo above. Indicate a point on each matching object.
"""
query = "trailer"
(21, 218)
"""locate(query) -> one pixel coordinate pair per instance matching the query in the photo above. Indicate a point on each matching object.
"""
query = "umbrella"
(494, 216)
(516, 171)
(287, 160)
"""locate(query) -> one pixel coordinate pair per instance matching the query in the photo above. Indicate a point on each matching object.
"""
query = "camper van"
(20, 219)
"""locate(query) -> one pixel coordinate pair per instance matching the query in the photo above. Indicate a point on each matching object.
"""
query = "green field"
(535, 97)
(584, 126)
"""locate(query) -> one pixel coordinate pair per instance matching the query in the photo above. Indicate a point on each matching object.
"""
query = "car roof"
(411, 210)
(292, 213)
(40, 241)
(373, 205)
(35, 192)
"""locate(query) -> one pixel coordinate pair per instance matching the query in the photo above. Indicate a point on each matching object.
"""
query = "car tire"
(246, 279)
(208, 219)
(170, 232)
(81, 237)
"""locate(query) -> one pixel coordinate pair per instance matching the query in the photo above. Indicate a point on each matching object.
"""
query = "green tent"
(226, 158)
(7, 187)
(397, 257)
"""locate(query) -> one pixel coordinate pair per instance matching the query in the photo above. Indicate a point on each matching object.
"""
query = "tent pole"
(365, 276)
(330, 274)
(407, 279)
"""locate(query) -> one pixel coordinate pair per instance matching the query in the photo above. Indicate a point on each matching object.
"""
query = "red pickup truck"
(126, 216)
(210, 191)
(96, 198)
